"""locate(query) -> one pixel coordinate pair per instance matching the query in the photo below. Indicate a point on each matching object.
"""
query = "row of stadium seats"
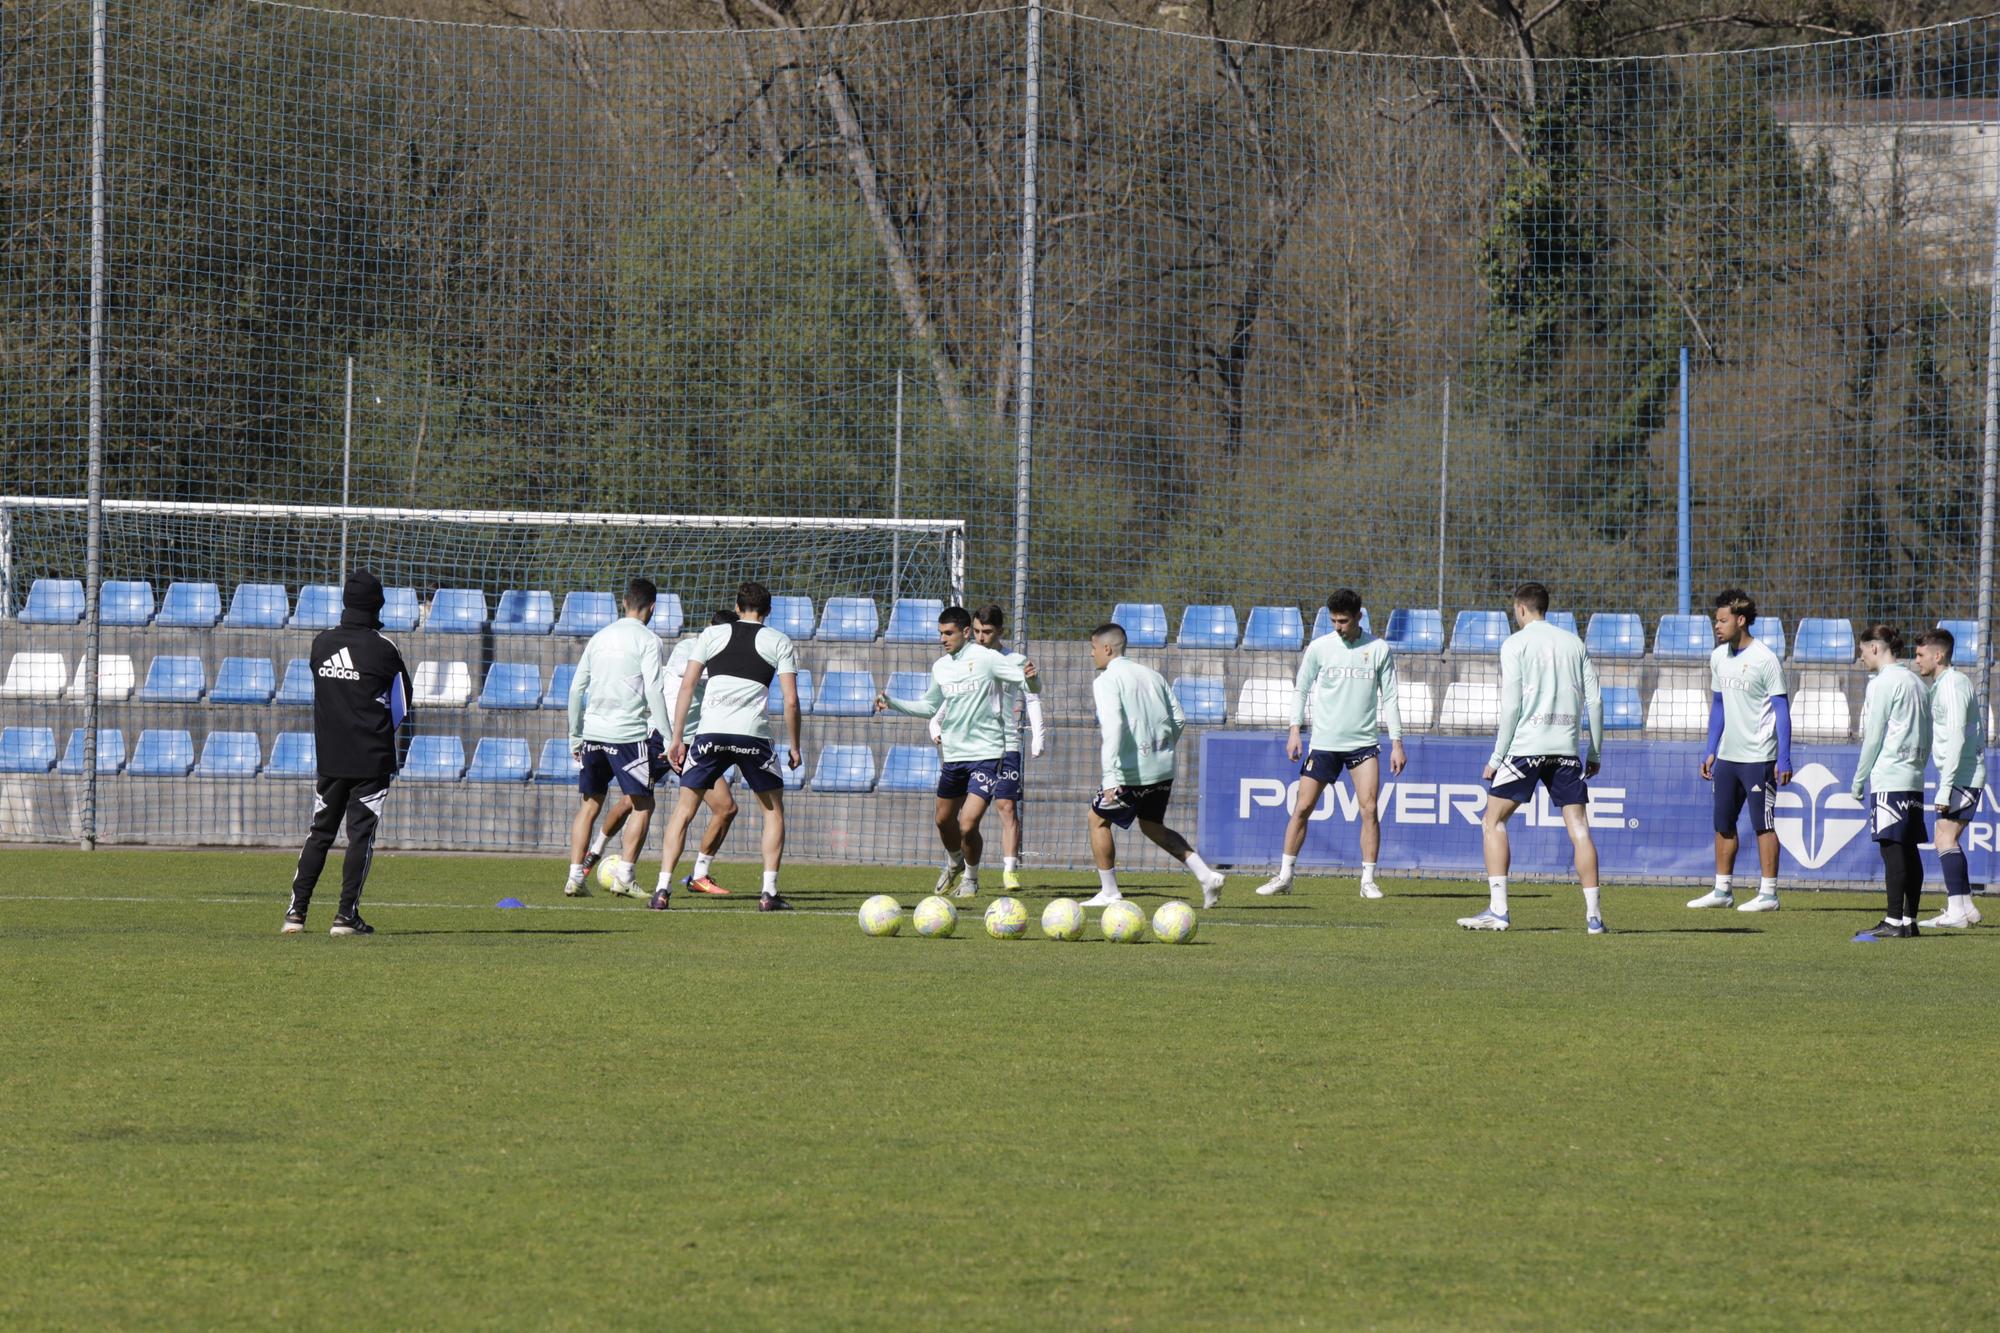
(130, 604)
(1608, 634)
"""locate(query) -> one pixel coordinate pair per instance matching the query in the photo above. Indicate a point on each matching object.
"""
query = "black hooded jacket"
(361, 689)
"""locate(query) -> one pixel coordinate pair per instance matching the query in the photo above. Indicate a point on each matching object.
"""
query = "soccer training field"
(1324, 1112)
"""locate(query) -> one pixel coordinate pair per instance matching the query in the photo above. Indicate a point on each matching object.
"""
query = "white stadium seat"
(1678, 710)
(1472, 704)
(1265, 701)
(1416, 703)
(442, 685)
(1821, 715)
(35, 676)
(116, 679)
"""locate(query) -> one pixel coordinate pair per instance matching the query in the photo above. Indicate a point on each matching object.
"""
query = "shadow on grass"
(1690, 930)
(1513, 895)
(509, 930)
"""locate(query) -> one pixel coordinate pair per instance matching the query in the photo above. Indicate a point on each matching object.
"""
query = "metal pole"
(6, 562)
(1686, 531)
(896, 503)
(1990, 466)
(93, 540)
(1444, 476)
(1024, 415)
(346, 468)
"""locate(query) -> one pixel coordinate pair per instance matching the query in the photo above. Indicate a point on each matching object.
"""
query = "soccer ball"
(1124, 923)
(1063, 919)
(1174, 923)
(607, 870)
(935, 917)
(1006, 919)
(881, 915)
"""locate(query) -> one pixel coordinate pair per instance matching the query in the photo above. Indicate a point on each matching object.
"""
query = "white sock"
(623, 874)
(958, 857)
(972, 877)
(1722, 883)
(1107, 880)
(597, 843)
(1590, 907)
(1496, 890)
(1958, 904)
(1286, 866)
(770, 882)
(1010, 864)
(1767, 887)
(702, 861)
(576, 872)
(1196, 866)
(1367, 872)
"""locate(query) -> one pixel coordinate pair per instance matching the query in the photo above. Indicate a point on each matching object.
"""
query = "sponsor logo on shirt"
(339, 667)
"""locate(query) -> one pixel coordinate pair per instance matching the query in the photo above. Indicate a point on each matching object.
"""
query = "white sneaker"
(1594, 925)
(1368, 889)
(624, 886)
(1947, 921)
(1105, 897)
(1211, 891)
(966, 889)
(1486, 920)
(576, 888)
(950, 875)
(1274, 886)
(1763, 902)
(1715, 898)
(1972, 917)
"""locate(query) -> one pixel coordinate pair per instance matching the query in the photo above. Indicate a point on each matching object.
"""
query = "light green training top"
(677, 665)
(1958, 731)
(734, 705)
(1895, 732)
(1352, 691)
(1547, 684)
(971, 699)
(620, 672)
(1140, 720)
(1747, 682)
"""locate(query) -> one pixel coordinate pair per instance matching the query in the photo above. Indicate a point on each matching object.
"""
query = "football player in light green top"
(1895, 745)
(1548, 689)
(1958, 748)
(1140, 722)
(1348, 679)
(1749, 751)
(608, 727)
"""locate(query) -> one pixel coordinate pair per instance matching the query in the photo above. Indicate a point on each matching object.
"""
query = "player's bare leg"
(672, 843)
(578, 883)
(948, 834)
(1576, 822)
(722, 810)
(971, 842)
(1174, 845)
(636, 825)
(1959, 912)
(1499, 856)
(1367, 779)
(1295, 837)
(1009, 812)
(1103, 852)
(768, 900)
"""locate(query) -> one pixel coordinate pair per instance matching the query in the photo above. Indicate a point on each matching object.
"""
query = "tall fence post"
(1444, 479)
(93, 540)
(896, 505)
(1990, 466)
(1684, 530)
(1024, 409)
(346, 468)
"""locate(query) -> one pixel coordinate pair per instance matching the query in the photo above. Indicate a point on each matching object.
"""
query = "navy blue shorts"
(711, 757)
(1959, 803)
(1326, 765)
(1009, 787)
(1744, 782)
(1898, 816)
(1143, 803)
(1562, 774)
(976, 777)
(602, 761)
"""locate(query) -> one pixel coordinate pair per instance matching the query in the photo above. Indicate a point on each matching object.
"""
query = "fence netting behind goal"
(1426, 327)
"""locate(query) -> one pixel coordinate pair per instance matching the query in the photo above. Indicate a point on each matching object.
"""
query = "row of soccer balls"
(1007, 919)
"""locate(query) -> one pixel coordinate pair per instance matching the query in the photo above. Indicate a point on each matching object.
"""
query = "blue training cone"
(510, 902)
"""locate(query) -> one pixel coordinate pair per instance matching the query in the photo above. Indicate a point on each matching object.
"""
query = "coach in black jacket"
(361, 692)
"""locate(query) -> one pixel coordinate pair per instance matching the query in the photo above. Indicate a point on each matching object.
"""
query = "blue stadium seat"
(557, 695)
(557, 764)
(1323, 623)
(849, 620)
(1275, 629)
(1205, 699)
(512, 685)
(668, 618)
(531, 612)
(845, 694)
(27, 749)
(1566, 620)
(110, 751)
(1622, 709)
(297, 686)
(1616, 634)
(295, 754)
(319, 606)
(502, 758)
(909, 685)
(845, 768)
(54, 602)
(774, 697)
(1823, 640)
(791, 614)
(1415, 631)
(125, 603)
(1684, 638)
(190, 606)
(1964, 641)
(230, 754)
(434, 759)
(585, 613)
(912, 768)
(456, 611)
(1144, 623)
(244, 680)
(1206, 626)
(400, 610)
(914, 620)
(257, 606)
(1769, 631)
(162, 754)
(173, 680)
(1479, 631)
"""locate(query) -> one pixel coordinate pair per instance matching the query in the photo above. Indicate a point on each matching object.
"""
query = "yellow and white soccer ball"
(607, 870)
(881, 915)
(1124, 923)
(1063, 919)
(935, 917)
(1006, 919)
(1174, 923)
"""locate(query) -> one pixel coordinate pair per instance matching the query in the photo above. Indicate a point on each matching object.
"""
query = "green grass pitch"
(1324, 1113)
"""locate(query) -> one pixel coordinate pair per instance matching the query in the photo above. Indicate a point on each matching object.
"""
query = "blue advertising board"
(1649, 813)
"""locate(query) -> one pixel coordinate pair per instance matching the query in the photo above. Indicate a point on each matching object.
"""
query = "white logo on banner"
(1429, 804)
(1804, 819)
